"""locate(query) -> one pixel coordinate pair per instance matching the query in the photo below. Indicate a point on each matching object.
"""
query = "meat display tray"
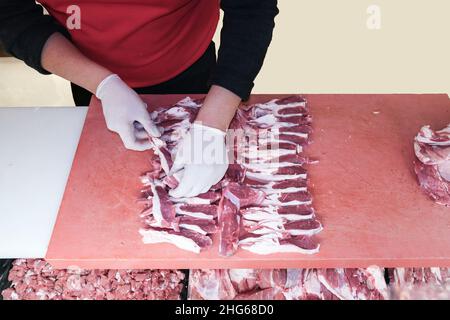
(364, 188)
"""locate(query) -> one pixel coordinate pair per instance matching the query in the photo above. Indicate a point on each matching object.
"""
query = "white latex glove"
(126, 114)
(202, 156)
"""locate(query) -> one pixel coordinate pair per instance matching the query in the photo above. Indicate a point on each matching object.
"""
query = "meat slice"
(355, 284)
(264, 227)
(271, 120)
(235, 196)
(303, 284)
(280, 226)
(302, 243)
(199, 211)
(163, 210)
(235, 173)
(203, 226)
(183, 239)
(304, 129)
(291, 99)
(262, 204)
(274, 176)
(283, 186)
(303, 210)
(270, 278)
(160, 149)
(264, 294)
(303, 227)
(275, 168)
(432, 149)
(229, 226)
(288, 199)
(289, 159)
(271, 243)
(208, 284)
(281, 133)
(243, 279)
(420, 283)
(433, 183)
(209, 197)
(278, 109)
(278, 143)
(287, 213)
(243, 196)
(263, 154)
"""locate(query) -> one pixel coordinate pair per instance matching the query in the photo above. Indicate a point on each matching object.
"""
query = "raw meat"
(243, 196)
(37, 280)
(274, 243)
(229, 225)
(288, 284)
(261, 205)
(163, 210)
(200, 211)
(420, 283)
(355, 284)
(214, 284)
(184, 239)
(432, 149)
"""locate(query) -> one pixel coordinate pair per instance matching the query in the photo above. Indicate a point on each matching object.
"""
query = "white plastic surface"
(37, 146)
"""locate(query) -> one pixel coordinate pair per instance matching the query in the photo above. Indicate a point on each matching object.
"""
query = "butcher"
(117, 49)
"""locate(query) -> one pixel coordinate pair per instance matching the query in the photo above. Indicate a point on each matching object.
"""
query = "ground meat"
(35, 279)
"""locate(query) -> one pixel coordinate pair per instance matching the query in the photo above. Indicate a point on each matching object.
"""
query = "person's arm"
(24, 30)
(245, 37)
(122, 107)
(43, 44)
(59, 56)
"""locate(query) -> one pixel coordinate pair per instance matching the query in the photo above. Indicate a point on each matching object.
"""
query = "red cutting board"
(364, 189)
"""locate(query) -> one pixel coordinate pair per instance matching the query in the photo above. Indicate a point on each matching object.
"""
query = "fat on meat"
(288, 284)
(262, 205)
(419, 283)
(432, 149)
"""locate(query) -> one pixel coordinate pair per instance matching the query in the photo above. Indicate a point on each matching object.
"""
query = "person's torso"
(144, 41)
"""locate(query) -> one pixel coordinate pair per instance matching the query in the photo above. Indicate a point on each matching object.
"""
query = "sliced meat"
(183, 239)
(163, 209)
(207, 284)
(204, 198)
(203, 226)
(243, 196)
(263, 201)
(199, 211)
(229, 221)
(355, 284)
(432, 149)
(271, 243)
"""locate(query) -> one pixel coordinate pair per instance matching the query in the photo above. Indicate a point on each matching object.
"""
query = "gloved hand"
(202, 155)
(125, 113)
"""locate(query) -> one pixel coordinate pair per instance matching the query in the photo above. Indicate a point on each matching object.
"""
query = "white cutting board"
(37, 146)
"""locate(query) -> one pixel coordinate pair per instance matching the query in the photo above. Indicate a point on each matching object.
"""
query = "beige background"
(319, 46)
(325, 46)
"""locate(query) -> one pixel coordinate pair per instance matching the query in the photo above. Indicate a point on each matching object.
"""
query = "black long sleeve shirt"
(245, 37)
